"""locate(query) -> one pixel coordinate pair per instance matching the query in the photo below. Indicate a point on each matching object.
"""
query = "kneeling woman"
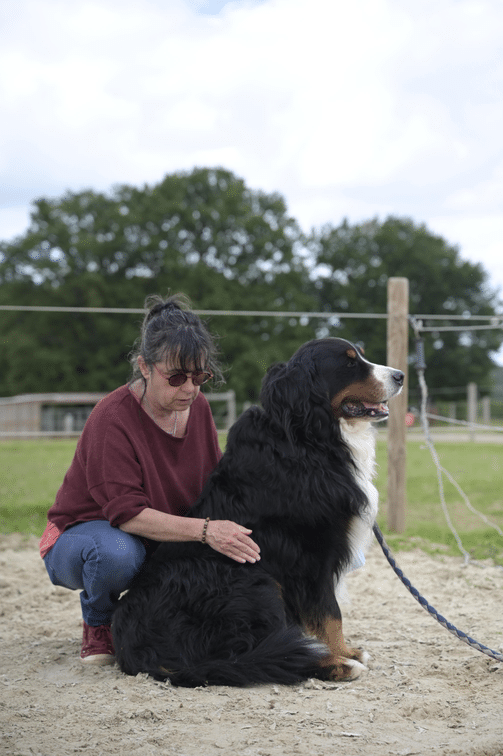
(140, 463)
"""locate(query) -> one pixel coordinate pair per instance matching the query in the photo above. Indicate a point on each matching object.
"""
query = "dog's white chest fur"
(360, 438)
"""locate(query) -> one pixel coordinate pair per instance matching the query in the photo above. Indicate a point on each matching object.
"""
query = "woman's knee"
(112, 545)
(124, 553)
(94, 551)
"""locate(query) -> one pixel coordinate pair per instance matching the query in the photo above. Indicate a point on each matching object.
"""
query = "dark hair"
(171, 330)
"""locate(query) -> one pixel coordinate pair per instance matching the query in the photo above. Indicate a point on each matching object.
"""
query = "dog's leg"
(343, 663)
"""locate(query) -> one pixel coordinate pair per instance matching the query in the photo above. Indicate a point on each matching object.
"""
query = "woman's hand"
(224, 536)
(233, 540)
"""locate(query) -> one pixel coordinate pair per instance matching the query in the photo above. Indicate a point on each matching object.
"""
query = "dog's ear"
(293, 396)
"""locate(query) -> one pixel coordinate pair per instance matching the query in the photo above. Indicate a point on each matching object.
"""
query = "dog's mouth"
(355, 408)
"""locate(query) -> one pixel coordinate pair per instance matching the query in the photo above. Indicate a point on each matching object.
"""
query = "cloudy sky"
(349, 109)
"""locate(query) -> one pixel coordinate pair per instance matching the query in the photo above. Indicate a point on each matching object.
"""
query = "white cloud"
(482, 240)
(13, 220)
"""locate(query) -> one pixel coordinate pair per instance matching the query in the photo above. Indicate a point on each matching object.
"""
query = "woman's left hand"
(233, 540)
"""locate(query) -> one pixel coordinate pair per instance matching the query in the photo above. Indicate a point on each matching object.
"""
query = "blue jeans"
(98, 559)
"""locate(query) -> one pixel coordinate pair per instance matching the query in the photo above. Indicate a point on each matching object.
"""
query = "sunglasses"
(178, 379)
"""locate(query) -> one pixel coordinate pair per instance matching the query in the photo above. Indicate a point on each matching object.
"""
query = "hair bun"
(160, 307)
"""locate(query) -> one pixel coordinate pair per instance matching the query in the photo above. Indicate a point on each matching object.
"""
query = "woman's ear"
(143, 367)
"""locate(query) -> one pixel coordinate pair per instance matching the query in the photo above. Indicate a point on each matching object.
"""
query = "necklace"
(169, 432)
(173, 432)
(151, 413)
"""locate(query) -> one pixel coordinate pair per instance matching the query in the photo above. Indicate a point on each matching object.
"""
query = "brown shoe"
(97, 645)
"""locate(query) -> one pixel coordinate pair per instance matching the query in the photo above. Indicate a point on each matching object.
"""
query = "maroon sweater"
(125, 463)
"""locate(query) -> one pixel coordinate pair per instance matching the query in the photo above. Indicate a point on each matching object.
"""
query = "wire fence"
(417, 322)
(493, 321)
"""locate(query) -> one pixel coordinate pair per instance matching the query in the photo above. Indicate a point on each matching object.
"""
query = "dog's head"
(357, 389)
(329, 378)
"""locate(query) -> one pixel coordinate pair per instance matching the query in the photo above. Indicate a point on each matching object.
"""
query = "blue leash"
(448, 626)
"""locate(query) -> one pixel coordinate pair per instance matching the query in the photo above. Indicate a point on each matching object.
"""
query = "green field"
(31, 473)
(478, 471)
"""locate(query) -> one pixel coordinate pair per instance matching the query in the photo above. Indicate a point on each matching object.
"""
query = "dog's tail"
(284, 657)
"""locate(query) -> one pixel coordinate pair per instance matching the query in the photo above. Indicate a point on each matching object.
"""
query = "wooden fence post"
(398, 332)
(486, 410)
(472, 400)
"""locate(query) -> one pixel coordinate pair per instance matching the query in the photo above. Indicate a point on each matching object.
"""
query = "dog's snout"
(398, 377)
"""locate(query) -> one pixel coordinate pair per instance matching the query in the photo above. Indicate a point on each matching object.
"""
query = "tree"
(204, 233)
(227, 247)
(352, 265)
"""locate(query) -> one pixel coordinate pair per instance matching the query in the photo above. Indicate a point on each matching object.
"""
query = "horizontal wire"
(268, 313)
(138, 311)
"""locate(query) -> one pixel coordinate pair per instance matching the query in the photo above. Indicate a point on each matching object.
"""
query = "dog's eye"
(351, 362)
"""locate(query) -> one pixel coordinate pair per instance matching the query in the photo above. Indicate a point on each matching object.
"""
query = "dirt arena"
(425, 692)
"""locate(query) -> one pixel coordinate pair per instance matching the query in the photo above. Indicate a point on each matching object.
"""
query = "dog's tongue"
(362, 409)
(375, 409)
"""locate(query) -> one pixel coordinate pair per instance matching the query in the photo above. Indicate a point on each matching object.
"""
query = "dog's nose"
(398, 377)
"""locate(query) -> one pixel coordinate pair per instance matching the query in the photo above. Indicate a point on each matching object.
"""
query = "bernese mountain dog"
(298, 472)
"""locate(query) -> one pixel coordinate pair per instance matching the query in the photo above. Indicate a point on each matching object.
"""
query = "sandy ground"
(425, 692)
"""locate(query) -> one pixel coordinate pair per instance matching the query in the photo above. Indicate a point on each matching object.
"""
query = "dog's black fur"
(196, 617)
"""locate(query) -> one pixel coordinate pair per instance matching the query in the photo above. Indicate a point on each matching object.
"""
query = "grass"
(30, 475)
(477, 469)
(32, 471)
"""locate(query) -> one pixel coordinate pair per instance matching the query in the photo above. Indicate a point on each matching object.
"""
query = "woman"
(140, 463)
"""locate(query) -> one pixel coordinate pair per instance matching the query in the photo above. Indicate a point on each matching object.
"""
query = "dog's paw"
(356, 669)
(346, 670)
(357, 654)
(365, 657)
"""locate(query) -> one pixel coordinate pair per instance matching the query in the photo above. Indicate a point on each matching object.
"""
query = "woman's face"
(163, 397)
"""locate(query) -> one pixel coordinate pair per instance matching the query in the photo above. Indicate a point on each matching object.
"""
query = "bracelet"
(205, 528)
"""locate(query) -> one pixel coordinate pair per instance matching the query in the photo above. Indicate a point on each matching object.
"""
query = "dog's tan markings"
(280, 590)
(370, 390)
(351, 353)
(346, 663)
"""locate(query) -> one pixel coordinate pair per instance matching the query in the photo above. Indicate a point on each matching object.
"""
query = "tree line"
(228, 247)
